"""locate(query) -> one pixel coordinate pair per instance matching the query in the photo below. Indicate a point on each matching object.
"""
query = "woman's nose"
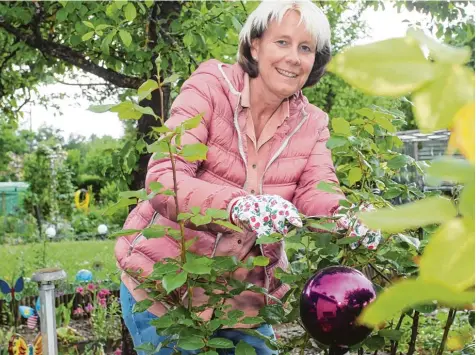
(293, 57)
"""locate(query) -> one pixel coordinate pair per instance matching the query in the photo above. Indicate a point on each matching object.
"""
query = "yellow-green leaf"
(436, 104)
(449, 256)
(192, 122)
(462, 136)
(194, 152)
(451, 169)
(341, 126)
(439, 51)
(355, 174)
(407, 293)
(125, 37)
(411, 215)
(393, 67)
(87, 36)
(130, 12)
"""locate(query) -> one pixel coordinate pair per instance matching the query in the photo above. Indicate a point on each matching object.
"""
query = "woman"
(266, 153)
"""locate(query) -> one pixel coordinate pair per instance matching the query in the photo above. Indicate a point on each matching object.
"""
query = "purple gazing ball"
(331, 301)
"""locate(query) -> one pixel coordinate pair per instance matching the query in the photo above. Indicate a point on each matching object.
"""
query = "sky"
(77, 119)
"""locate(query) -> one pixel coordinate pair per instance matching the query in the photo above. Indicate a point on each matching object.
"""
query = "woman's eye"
(281, 42)
(306, 48)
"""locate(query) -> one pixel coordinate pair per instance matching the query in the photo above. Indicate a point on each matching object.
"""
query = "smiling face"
(285, 54)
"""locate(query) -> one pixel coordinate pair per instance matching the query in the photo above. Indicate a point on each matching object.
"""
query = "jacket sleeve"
(195, 98)
(307, 198)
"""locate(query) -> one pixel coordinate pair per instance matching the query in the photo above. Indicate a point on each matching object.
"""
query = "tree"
(120, 43)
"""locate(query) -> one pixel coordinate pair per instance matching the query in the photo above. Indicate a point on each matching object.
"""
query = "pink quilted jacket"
(297, 161)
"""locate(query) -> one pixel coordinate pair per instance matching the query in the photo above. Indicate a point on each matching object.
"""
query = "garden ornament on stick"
(331, 301)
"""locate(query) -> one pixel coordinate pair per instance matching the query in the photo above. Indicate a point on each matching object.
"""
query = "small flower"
(89, 308)
(102, 302)
(104, 293)
(257, 224)
(281, 212)
(78, 311)
(80, 290)
(118, 351)
(266, 219)
(91, 287)
(273, 216)
(370, 247)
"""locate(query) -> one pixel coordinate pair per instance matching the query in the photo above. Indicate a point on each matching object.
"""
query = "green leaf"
(139, 194)
(162, 269)
(191, 342)
(347, 240)
(405, 294)
(162, 322)
(102, 27)
(100, 108)
(126, 110)
(425, 308)
(355, 174)
(375, 342)
(243, 348)
(369, 128)
(220, 343)
(89, 24)
(130, 12)
(193, 122)
(147, 348)
(273, 314)
(199, 266)
(454, 244)
(154, 232)
(87, 36)
(171, 79)
(269, 239)
(411, 215)
(385, 123)
(392, 334)
(451, 170)
(336, 141)
(155, 186)
(328, 187)
(125, 37)
(228, 225)
(436, 104)
(341, 126)
(440, 51)
(398, 162)
(200, 220)
(124, 232)
(146, 88)
(184, 216)
(260, 261)
(142, 306)
(216, 213)
(174, 281)
(119, 205)
(392, 67)
(194, 152)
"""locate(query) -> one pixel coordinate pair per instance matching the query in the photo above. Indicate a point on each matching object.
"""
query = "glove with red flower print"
(264, 214)
(348, 222)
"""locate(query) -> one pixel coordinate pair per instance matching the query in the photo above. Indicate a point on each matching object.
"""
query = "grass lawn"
(71, 256)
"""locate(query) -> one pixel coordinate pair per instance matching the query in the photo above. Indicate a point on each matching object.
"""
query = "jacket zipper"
(136, 239)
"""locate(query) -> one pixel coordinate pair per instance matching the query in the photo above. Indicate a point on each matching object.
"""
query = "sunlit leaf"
(125, 37)
(462, 135)
(130, 11)
(194, 152)
(405, 294)
(260, 261)
(193, 122)
(100, 108)
(436, 104)
(392, 67)
(174, 281)
(355, 174)
(411, 215)
(451, 170)
(341, 126)
(454, 244)
(198, 266)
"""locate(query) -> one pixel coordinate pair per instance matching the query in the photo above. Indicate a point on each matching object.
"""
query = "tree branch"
(81, 84)
(412, 344)
(73, 57)
(449, 322)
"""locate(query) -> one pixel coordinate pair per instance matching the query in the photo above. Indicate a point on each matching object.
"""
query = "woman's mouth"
(286, 73)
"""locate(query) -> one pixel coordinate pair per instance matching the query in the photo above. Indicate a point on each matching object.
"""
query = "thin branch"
(73, 57)
(394, 344)
(412, 344)
(380, 274)
(81, 84)
(449, 322)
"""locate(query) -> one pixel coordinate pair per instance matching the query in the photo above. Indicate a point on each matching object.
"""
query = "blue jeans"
(142, 332)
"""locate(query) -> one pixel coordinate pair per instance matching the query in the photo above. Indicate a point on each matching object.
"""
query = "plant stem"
(394, 345)
(411, 345)
(303, 346)
(449, 322)
(379, 273)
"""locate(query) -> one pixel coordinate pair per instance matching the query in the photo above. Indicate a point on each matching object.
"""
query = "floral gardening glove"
(349, 221)
(264, 214)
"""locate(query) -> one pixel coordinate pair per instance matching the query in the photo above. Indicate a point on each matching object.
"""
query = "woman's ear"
(255, 43)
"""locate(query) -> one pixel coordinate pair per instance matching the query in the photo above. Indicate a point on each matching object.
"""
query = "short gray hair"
(313, 19)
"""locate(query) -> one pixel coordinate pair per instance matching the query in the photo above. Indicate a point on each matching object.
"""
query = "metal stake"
(46, 279)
